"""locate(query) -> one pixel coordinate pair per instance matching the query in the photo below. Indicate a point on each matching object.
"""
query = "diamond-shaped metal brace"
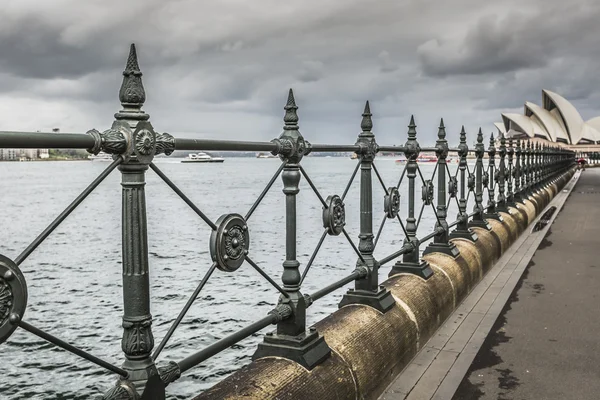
(13, 297)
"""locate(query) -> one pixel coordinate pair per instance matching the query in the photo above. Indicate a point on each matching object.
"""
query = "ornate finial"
(132, 90)
(442, 130)
(479, 136)
(291, 117)
(502, 139)
(463, 135)
(492, 139)
(412, 132)
(367, 123)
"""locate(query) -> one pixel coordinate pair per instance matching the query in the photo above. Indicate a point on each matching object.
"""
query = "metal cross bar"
(183, 196)
(69, 347)
(184, 311)
(63, 215)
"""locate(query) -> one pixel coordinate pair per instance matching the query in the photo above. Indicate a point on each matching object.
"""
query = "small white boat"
(101, 157)
(202, 158)
(263, 155)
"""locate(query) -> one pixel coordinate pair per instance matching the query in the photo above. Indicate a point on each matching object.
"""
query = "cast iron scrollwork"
(229, 244)
(485, 179)
(427, 192)
(391, 203)
(13, 297)
(334, 215)
(452, 186)
(471, 182)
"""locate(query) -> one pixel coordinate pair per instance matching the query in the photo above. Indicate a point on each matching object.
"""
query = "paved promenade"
(529, 329)
(545, 343)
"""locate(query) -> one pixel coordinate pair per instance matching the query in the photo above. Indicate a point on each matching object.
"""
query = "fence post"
(441, 242)
(462, 229)
(493, 176)
(368, 291)
(291, 340)
(481, 181)
(411, 261)
(501, 205)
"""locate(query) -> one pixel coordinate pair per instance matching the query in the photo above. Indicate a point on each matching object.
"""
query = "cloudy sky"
(222, 68)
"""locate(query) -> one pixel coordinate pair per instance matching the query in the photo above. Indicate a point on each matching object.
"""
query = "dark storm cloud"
(518, 40)
(223, 69)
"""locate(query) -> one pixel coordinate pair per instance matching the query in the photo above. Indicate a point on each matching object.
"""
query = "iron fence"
(515, 170)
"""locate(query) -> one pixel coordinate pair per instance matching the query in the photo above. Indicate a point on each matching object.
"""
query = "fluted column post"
(292, 340)
(368, 291)
(441, 241)
(411, 261)
(481, 181)
(462, 229)
(493, 177)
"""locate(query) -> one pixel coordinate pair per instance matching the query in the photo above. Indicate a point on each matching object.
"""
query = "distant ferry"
(428, 159)
(101, 157)
(202, 158)
(263, 155)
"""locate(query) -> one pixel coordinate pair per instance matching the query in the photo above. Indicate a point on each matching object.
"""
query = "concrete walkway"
(546, 343)
(523, 331)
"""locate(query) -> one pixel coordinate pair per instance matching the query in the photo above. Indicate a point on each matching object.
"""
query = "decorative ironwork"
(485, 179)
(13, 297)
(144, 142)
(165, 144)
(391, 203)
(134, 143)
(137, 340)
(427, 192)
(471, 182)
(452, 186)
(114, 140)
(334, 215)
(229, 244)
(132, 91)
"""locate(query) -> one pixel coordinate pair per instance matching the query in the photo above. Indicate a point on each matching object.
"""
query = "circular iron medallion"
(427, 192)
(230, 242)
(391, 203)
(13, 297)
(334, 216)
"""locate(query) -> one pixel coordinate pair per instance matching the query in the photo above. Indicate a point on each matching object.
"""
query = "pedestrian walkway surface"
(546, 344)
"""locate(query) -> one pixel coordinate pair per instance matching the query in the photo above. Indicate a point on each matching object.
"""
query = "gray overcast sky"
(222, 68)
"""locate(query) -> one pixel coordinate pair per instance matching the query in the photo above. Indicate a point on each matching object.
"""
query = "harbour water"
(74, 277)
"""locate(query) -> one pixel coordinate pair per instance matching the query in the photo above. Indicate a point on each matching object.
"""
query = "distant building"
(557, 120)
(25, 154)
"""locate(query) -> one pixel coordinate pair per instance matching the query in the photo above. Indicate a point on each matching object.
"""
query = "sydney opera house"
(556, 120)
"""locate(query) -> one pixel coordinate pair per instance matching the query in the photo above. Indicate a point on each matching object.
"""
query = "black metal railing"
(133, 143)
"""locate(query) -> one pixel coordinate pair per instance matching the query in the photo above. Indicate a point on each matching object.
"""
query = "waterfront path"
(529, 330)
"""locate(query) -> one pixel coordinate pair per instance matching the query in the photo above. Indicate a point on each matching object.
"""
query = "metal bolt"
(245, 228)
(14, 318)
(225, 257)
(8, 275)
(246, 251)
(225, 231)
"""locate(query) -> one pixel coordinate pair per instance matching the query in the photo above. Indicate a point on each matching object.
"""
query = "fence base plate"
(308, 349)
(421, 269)
(381, 300)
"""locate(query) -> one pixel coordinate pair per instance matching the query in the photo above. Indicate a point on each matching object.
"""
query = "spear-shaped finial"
(291, 117)
(412, 131)
(442, 130)
(132, 92)
(367, 123)
(463, 135)
(480, 136)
